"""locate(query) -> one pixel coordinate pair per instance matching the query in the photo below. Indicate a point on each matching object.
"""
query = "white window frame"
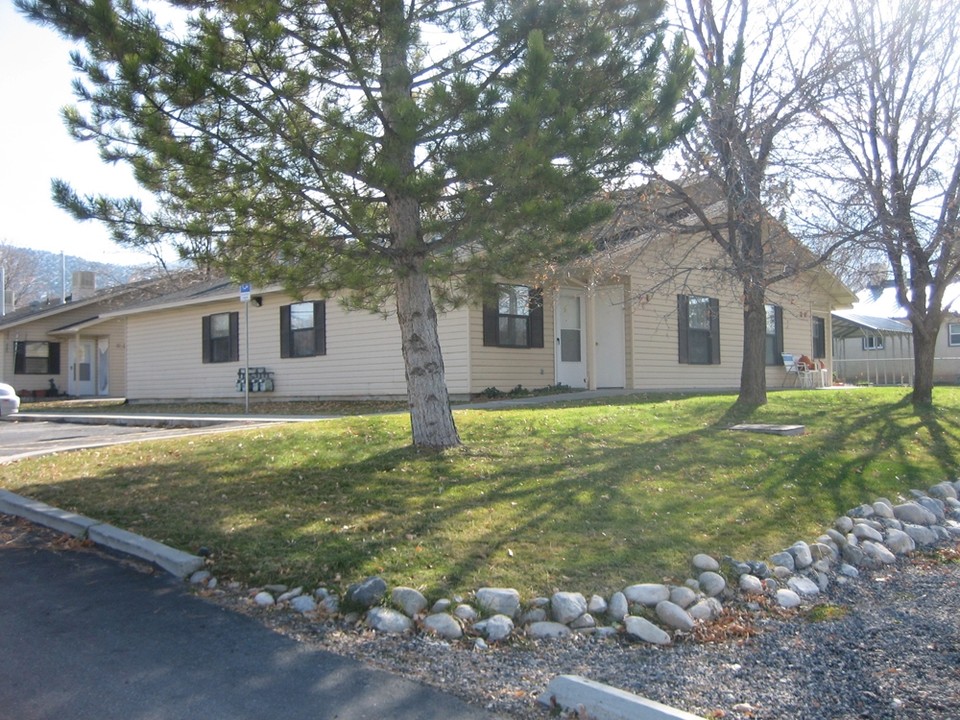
(953, 334)
(872, 342)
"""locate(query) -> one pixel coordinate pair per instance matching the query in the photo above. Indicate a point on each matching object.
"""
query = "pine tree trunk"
(430, 415)
(753, 372)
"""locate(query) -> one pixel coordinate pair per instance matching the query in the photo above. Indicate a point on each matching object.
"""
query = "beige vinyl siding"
(656, 364)
(363, 356)
(505, 368)
(454, 328)
(653, 324)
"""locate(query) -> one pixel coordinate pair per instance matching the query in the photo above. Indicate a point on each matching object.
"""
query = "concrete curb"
(602, 702)
(176, 562)
(154, 421)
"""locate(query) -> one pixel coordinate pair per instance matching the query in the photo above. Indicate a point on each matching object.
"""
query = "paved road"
(25, 439)
(84, 635)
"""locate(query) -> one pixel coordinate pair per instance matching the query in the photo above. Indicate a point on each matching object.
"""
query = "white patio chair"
(802, 375)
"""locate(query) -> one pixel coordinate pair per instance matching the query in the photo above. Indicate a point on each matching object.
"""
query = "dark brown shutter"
(53, 359)
(19, 357)
(535, 324)
(206, 338)
(714, 331)
(284, 331)
(491, 325)
(234, 336)
(778, 321)
(683, 329)
(320, 327)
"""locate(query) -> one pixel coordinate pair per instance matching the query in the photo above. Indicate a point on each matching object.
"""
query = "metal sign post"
(245, 299)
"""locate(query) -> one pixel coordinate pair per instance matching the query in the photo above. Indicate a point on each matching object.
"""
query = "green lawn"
(574, 496)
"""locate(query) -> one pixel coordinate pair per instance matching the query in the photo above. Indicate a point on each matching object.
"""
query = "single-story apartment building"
(50, 346)
(647, 311)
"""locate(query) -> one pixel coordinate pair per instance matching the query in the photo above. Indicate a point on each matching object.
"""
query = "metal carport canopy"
(847, 324)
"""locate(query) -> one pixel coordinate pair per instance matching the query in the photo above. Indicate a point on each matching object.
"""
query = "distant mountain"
(38, 274)
(107, 274)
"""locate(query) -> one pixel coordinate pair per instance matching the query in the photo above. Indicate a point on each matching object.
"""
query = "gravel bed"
(886, 645)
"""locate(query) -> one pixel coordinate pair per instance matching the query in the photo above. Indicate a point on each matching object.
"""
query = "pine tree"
(382, 150)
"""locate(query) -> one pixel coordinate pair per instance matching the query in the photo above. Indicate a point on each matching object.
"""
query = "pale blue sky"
(35, 77)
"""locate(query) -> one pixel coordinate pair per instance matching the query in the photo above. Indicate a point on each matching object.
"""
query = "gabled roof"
(40, 310)
(200, 290)
(206, 291)
(644, 214)
(103, 302)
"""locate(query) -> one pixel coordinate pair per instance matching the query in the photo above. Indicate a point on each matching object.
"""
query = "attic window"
(677, 213)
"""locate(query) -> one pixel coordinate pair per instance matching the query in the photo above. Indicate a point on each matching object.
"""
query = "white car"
(9, 401)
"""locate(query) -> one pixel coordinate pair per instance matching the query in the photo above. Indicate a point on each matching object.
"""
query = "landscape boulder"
(367, 593)
(639, 628)
(648, 594)
(499, 601)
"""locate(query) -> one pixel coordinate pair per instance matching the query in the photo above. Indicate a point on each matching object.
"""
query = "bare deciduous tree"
(22, 278)
(761, 83)
(895, 119)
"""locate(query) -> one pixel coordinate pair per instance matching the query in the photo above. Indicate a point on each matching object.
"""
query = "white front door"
(571, 359)
(82, 380)
(610, 346)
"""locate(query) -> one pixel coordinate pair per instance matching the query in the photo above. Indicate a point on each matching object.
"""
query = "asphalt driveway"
(88, 636)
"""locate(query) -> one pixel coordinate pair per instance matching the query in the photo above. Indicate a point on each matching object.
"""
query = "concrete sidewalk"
(191, 420)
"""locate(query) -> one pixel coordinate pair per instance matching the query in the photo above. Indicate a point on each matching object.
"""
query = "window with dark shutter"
(698, 329)
(516, 320)
(221, 337)
(303, 329)
(36, 358)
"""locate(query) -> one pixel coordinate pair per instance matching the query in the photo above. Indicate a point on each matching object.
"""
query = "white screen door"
(83, 364)
(571, 358)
